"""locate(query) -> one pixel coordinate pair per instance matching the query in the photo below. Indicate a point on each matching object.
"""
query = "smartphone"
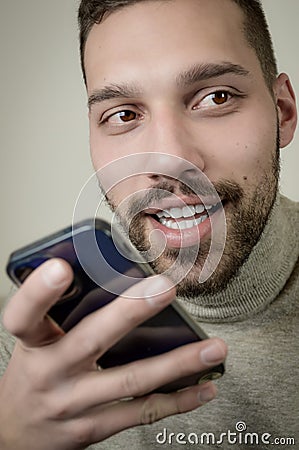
(104, 265)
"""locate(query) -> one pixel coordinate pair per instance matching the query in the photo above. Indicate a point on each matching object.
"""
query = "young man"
(191, 87)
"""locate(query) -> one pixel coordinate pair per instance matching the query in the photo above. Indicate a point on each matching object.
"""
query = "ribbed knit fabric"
(263, 275)
(258, 316)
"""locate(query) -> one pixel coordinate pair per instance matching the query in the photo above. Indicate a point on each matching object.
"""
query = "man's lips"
(184, 226)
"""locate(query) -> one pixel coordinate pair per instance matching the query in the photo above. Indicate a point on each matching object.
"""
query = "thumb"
(26, 314)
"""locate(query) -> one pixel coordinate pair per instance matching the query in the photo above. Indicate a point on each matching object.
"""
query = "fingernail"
(213, 353)
(54, 274)
(157, 290)
(207, 393)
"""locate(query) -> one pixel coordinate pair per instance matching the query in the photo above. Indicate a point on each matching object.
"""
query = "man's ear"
(286, 107)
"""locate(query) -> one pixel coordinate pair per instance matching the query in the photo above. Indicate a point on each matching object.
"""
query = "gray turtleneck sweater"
(257, 315)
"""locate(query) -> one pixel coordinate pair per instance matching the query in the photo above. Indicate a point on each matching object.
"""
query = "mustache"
(224, 190)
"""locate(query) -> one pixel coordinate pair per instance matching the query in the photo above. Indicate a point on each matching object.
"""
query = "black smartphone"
(104, 265)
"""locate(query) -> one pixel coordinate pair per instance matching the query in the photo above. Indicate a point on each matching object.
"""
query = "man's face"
(179, 78)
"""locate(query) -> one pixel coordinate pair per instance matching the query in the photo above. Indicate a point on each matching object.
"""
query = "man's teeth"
(186, 211)
(183, 224)
(166, 216)
(177, 213)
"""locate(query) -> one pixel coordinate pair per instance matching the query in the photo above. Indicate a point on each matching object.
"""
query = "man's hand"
(52, 395)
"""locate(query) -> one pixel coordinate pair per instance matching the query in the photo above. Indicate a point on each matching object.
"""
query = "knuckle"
(7, 321)
(38, 371)
(132, 316)
(131, 384)
(132, 311)
(83, 432)
(64, 399)
(10, 320)
(40, 379)
(88, 344)
(187, 361)
(158, 406)
(60, 408)
(183, 366)
(152, 410)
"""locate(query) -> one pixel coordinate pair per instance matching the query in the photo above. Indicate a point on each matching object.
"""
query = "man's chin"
(219, 272)
(173, 263)
(191, 288)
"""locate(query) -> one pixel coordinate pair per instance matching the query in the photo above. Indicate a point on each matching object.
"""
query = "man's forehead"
(159, 4)
(148, 31)
(148, 16)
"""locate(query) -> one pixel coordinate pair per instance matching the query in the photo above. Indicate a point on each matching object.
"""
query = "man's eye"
(220, 97)
(122, 117)
(216, 98)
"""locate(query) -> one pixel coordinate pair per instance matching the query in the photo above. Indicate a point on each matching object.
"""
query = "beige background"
(44, 158)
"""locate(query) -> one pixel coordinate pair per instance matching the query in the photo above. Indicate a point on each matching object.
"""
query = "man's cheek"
(250, 160)
(120, 195)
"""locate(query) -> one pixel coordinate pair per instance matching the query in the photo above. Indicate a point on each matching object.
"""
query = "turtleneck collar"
(261, 277)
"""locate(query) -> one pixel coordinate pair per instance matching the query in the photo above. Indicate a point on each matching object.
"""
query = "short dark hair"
(255, 29)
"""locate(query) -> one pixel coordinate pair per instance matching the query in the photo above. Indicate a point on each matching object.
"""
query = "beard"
(246, 216)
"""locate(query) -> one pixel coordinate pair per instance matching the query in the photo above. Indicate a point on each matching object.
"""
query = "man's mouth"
(186, 217)
(185, 224)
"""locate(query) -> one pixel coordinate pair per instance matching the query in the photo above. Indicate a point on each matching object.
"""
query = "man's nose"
(167, 147)
(172, 147)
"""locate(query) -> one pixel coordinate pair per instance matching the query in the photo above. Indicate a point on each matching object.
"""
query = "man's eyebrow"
(202, 72)
(196, 73)
(113, 91)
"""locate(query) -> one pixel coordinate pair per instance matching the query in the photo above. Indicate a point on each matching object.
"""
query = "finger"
(99, 331)
(25, 315)
(101, 422)
(141, 377)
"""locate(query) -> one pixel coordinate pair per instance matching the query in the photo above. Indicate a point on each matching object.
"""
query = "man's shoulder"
(289, 215)
(289, 205)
